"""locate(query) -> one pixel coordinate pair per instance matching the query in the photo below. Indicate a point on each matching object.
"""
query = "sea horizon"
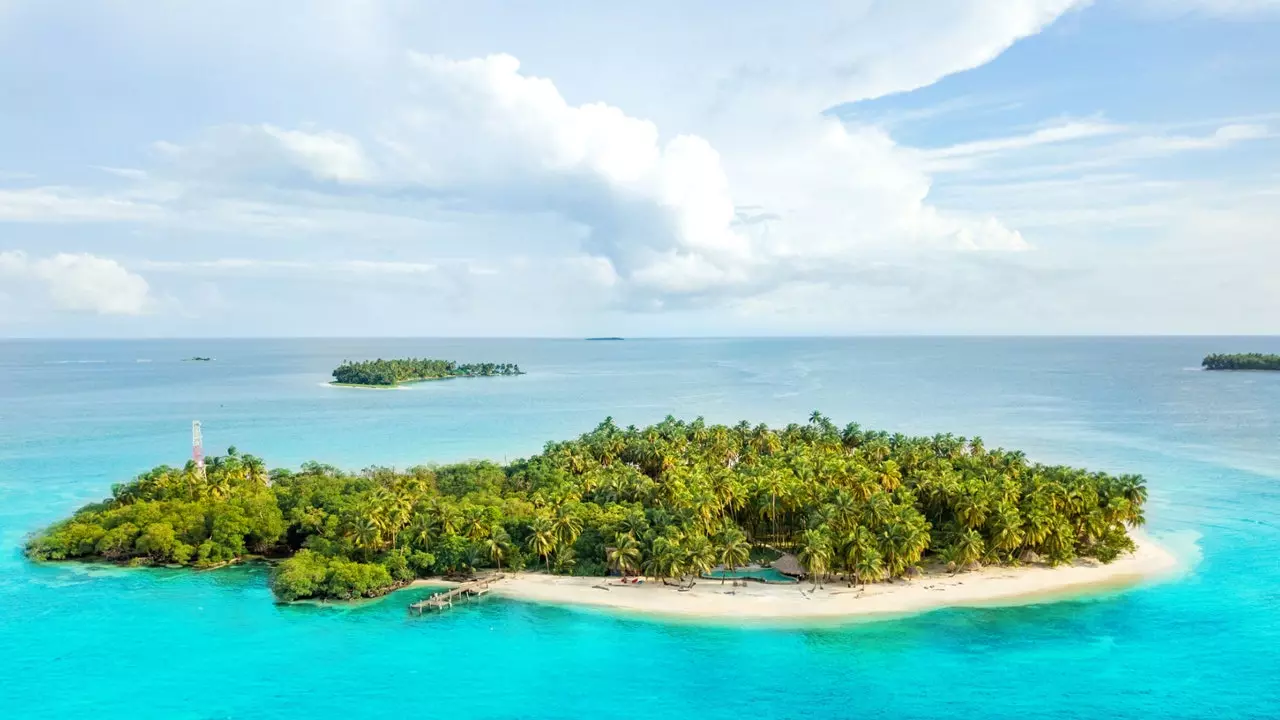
(835, 336)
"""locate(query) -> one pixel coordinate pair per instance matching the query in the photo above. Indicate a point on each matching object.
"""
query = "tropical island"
(198, 358)
(392, 373)
(673, 501)
(1242, 361)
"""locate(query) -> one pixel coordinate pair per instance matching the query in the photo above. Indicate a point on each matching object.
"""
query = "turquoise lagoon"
(80, 641)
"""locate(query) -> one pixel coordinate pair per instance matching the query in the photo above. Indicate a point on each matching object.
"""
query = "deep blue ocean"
(75, 641)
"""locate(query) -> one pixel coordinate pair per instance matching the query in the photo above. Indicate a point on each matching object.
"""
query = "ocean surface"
(99, 642)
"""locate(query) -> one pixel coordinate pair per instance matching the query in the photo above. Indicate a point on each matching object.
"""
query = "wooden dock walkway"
(445, 598)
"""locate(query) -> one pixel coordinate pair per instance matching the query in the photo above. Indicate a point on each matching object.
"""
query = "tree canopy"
(393, 372)
(673, 499)
(1242, 361)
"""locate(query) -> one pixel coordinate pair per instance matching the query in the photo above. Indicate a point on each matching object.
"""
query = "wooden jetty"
(445, 598)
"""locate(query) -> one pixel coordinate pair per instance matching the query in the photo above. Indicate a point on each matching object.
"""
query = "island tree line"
(392, 372)
(670, 500)
(1241, 361)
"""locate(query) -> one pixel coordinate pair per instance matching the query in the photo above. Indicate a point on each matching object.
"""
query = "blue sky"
(484, 168)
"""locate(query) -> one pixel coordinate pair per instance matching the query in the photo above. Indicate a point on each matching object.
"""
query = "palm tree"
(496, 544)
(869, 567)
(366, 533)
(624, 556)
(1006, 529)
(446, 516)
(864, 484)
(890, 475)
(971, 507)
(420, 532)
(857, 545)
(845, 509)
(542, 538)
(475, 525)
(399, 508)
(699, 555)
(895, 548)
(732, 548)
(1037, 527)
(665, 558)
(968, 548)
(567, 527)
(815, 554)
(255, 470)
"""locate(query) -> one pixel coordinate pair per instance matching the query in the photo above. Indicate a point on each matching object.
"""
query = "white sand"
(709, 599)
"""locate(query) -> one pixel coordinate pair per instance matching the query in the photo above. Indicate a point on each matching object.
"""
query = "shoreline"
(709, 600)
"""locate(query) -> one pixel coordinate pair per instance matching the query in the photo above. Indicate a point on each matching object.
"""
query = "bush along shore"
(671, 500)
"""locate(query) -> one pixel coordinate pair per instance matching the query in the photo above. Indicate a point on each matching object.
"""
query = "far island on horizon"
(1242, 361)
(393, 373)
(598, 339)
(677, 503)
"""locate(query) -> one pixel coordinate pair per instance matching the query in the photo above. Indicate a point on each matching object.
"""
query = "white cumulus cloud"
(665, 212)
(79, 282)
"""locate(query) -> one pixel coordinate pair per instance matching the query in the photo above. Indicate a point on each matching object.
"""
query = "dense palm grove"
(670, 500)
(1242, 361)
(392, 372)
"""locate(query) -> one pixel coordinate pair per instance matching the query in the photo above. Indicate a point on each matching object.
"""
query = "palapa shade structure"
(788, 564)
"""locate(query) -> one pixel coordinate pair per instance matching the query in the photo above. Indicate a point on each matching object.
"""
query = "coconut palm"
(366, 534)
(567, 527)
(857, 544)
(968, 549)
(815, 554)
(870, 567)
(420, 532)
(496, 544)
(664, 558)
(732, 549)
(625, 554)
(699, 555)
(542, 538)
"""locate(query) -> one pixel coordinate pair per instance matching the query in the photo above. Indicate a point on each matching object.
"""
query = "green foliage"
(671, 500)
(1242, 361)
(310, 575)
(393, 372)
(301, 576)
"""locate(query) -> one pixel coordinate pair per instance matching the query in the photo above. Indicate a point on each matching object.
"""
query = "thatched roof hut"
(788, 564)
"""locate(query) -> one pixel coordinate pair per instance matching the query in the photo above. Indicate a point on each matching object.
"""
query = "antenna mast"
(197, 447)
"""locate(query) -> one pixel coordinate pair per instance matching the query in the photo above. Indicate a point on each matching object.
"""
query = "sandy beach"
(711, 600)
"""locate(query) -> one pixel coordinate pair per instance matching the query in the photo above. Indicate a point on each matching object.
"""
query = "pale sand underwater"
(711, 600)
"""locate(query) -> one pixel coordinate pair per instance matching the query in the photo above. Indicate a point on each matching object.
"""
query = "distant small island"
(390, 373)
(197, 359)
(1242, 361)
(596, 339)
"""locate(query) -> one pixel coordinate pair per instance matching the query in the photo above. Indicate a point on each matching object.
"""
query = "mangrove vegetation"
(670, 500)
(389, 373)
(1242, 361)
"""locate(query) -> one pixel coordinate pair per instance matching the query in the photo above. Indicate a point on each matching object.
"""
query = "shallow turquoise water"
(107, 643)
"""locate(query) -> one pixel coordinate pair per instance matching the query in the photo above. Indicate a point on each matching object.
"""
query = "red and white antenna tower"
(197, 447)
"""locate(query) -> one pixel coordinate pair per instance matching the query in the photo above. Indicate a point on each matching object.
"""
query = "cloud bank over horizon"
(842, 168)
